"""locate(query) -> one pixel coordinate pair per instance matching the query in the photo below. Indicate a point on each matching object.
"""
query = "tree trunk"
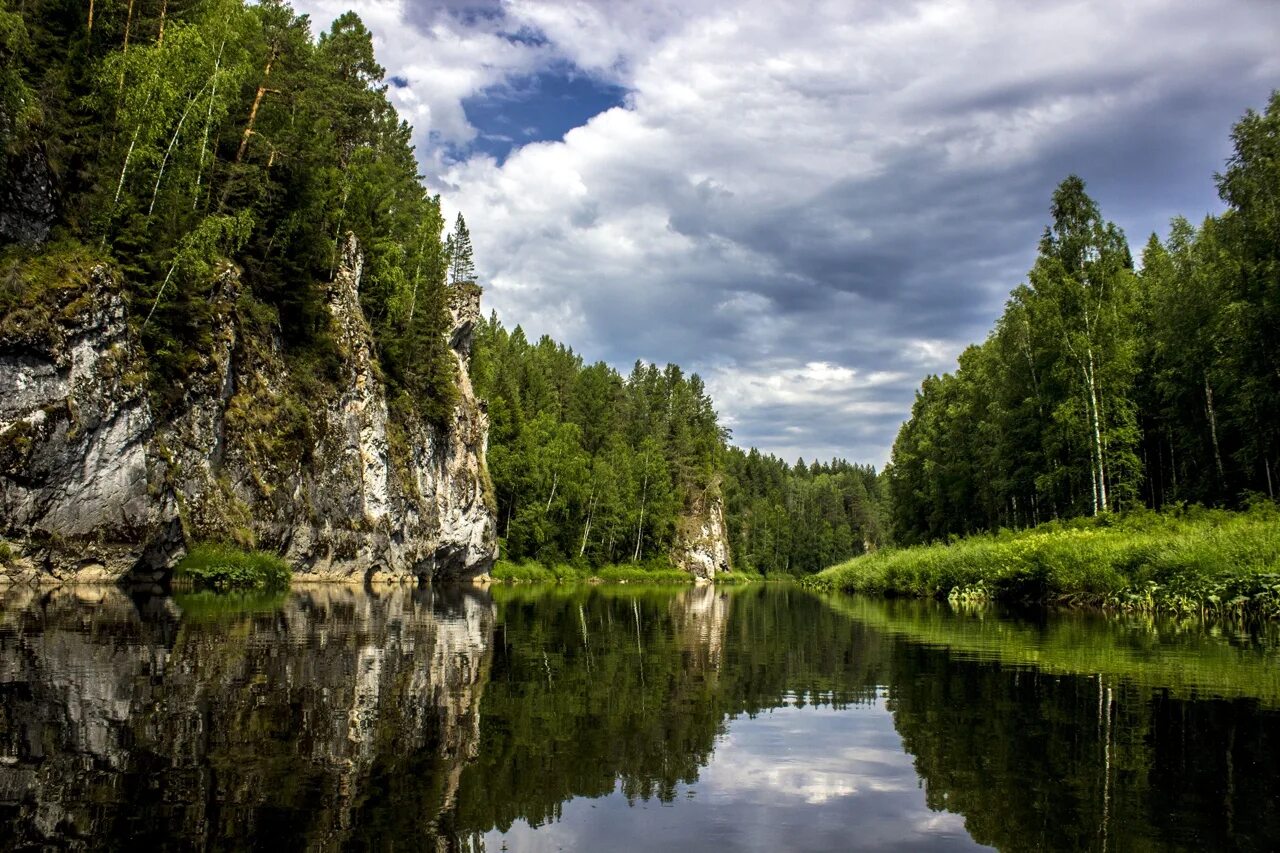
(128, 22)
(124, 169)
(1100, 475)
(417, 271)
(169, 150)
(644, 498)
(1213, 431)
(208, 121)
(555, 479)
(253, 110)
(586, 531)
(164, 8)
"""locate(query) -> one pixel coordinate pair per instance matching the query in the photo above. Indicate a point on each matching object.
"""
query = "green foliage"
(225, 567)
(1104, 389)
(1196, 561)
(792, 520)
(17, 102)
(189, 136)
(594, 469)
(531, 571)
(462, 268)
(588, 467)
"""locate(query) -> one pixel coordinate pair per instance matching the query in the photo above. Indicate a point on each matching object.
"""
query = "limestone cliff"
(94, 485)
(702, 539)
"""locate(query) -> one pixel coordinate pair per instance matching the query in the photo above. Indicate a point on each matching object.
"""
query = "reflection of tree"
(1039, 761)
(336, 718)
(637, 698)
(303, 720)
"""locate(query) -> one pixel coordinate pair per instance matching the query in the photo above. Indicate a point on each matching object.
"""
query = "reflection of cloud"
(809, 777)
(810, 770)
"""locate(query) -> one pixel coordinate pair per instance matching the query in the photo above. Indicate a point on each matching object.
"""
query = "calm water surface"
(624, 718)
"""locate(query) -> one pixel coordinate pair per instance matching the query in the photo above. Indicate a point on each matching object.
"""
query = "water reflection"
(334, 711)
(623, 718)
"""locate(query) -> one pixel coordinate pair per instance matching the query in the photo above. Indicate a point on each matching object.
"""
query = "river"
(757, 717)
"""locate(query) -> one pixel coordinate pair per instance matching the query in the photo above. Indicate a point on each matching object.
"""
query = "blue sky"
(812, 204)
(537, 107)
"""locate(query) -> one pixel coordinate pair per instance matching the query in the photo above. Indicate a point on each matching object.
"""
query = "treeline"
(1104, 386)
(178, 134)
(593, 468)
(589, 466)
(800, 519)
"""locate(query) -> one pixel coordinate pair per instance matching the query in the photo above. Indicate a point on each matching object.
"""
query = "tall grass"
(223, 567)
(1208, 561)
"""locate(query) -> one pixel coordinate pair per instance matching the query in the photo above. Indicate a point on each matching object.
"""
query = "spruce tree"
(462, 269)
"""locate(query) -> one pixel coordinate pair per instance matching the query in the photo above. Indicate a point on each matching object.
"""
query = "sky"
(813, 205)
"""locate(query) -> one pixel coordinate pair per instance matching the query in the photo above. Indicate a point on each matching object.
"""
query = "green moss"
(6, 551)
(38, 292)
(219, 566)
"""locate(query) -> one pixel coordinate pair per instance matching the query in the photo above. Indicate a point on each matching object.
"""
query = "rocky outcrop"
(95, 486)
(74, 427)
(702, 539)
(28, 203)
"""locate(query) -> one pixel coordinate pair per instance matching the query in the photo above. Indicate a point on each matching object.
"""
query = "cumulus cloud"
(855, 186)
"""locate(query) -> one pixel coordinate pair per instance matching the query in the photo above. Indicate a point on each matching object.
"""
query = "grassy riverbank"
(1194, 561)
(534, 572)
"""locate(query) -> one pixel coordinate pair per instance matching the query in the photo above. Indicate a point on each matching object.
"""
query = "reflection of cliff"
(331, 711)
(702, 617)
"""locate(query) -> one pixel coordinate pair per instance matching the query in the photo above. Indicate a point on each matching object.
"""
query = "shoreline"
(1211, 563)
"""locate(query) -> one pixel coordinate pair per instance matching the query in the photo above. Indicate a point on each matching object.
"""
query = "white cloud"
(817, 183)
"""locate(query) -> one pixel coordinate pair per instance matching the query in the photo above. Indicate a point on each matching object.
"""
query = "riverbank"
(1210, 562)
(534, 572)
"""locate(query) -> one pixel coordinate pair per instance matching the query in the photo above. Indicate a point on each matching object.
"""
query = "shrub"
(221, 567)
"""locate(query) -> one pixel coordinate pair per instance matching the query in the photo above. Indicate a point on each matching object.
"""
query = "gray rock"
(91, 483)
(28, 203)
(702, 539)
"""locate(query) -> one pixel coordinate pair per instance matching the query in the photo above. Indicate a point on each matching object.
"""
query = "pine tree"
(462, 269)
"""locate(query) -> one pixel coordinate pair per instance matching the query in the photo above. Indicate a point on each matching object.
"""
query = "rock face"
(74, 427)
(95, 486)
(28, 203)
(702, 540)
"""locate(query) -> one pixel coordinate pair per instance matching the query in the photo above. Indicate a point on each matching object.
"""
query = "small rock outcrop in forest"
(95, 486)
(702, 539)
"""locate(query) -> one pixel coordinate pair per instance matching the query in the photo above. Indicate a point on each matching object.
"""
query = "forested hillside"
(166, 137)
(592, 467)
(800, 518)
(1107, 385)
